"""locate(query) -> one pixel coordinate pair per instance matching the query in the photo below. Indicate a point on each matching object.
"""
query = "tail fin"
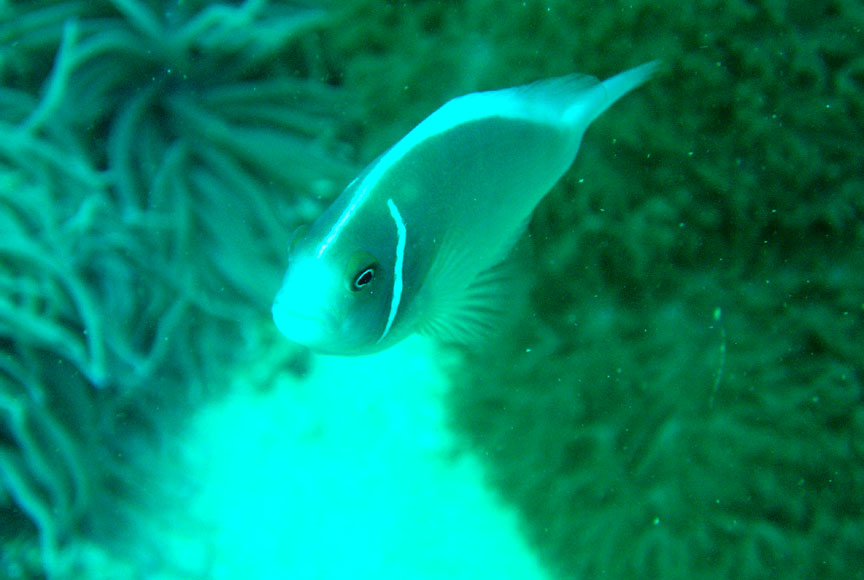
(622, 83)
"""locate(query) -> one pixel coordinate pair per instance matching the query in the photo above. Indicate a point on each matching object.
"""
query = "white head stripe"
(401, 234)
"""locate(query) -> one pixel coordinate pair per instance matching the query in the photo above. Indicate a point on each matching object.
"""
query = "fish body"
(413, 243)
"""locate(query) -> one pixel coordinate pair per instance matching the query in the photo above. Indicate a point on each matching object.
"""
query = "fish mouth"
(301, 327)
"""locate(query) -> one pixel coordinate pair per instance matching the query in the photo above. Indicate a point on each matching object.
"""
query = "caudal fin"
(622, 83)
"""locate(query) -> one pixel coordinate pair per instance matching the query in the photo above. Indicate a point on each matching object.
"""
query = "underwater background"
(681, 394)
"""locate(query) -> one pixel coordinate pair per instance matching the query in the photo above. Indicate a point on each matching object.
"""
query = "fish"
(416, 243)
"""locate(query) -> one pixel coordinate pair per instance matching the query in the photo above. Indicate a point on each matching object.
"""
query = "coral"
(153, 159)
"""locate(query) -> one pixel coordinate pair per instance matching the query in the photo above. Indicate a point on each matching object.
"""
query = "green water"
(680, 394)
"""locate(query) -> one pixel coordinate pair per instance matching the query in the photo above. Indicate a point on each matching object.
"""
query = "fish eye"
(360, 271)
(363, 278)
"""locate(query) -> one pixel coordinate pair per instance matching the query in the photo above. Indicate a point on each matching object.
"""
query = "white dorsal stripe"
(357, 199)
(568, 103)
(548, 102)
(508, 103)
(401, 234)
(456, 112)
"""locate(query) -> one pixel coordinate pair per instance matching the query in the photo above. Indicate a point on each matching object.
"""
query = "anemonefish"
(413, 243)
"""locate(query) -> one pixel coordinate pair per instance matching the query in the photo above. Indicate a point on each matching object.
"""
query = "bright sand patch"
(348, 473)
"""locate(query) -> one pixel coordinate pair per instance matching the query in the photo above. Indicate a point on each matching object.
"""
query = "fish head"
(334, 300)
